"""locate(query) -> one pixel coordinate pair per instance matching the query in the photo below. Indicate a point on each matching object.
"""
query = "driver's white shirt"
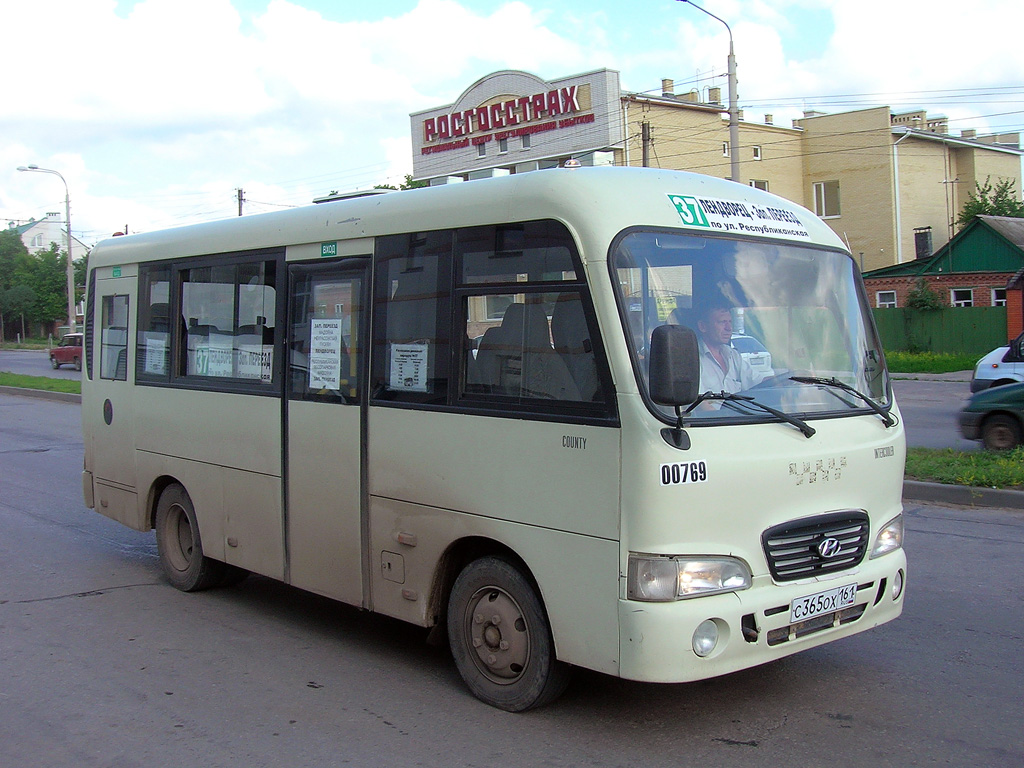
(740, 376)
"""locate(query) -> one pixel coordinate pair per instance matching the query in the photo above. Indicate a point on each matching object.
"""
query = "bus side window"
(114, 338)
(153, 342)
(412, 323)
(325, 353)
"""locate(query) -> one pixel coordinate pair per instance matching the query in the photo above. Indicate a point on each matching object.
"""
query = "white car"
(754, 352)
(1003, 365)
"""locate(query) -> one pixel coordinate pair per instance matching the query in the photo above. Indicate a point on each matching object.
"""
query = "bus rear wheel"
(501, 639)
(179, 544)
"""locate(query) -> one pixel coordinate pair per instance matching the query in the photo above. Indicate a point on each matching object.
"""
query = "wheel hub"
(498, 635)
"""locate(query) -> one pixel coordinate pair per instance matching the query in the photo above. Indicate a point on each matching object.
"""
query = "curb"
(42, 394)
(962, 495)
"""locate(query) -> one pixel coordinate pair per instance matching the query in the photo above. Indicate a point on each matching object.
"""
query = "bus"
(480, 408)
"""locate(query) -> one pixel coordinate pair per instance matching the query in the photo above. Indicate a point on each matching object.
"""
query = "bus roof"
(608, 199)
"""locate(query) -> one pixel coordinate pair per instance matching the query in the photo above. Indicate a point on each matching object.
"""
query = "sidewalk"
(959, 376)
(962, 495)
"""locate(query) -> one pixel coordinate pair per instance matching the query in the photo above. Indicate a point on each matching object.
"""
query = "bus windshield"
(783, 324)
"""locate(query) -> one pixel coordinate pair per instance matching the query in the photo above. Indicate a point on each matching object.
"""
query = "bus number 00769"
(684, 472)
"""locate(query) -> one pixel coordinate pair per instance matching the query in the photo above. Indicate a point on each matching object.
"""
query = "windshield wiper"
(732, 398)
(887, 418)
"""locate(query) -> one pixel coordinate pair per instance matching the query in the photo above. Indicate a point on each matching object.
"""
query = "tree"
(15, 302)
(13, 255)
(407, 184)
(998, 200)
(921, 296)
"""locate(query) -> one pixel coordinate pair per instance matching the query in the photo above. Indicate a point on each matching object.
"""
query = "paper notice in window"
(324, 354)
(409, 367)
(156, 353)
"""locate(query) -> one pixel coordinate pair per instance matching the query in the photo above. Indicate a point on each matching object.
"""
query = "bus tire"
(179, 544)
(500, 637)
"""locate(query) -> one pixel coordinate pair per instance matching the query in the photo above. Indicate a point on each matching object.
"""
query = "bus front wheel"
(179, 544)
(501, 639)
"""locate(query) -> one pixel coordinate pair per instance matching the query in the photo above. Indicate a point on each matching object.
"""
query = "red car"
(69, 351)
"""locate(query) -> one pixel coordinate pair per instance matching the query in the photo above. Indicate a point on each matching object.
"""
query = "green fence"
(952, 330)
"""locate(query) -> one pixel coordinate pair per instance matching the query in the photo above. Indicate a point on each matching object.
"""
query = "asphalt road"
(104, 664)
(34, 362)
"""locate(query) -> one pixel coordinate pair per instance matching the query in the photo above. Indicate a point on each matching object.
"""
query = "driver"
(722, 368)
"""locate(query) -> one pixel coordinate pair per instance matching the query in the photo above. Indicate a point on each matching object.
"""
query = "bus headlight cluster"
(654, 578)
(890, 538)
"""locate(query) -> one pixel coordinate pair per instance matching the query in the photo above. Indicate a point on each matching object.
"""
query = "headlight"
(890, 538)
(659, 579)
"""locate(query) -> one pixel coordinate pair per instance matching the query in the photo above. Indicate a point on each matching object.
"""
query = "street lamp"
(67, 216)
(734, 122)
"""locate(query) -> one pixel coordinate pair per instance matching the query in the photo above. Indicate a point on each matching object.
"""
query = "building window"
(961, 297)
(998, 297)
(885, 299)
(481, 150)
(526, 141)
(759, 184)
(502, 146)
(826, 198)
(725, 149)
(757, 152)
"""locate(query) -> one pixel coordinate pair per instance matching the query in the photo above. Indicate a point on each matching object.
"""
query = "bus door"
(324, 421)
(110, 367)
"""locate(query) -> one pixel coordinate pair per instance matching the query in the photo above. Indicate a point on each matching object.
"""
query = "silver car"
(754, 352)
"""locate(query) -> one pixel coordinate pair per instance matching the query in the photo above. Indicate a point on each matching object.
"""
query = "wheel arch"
(457, 556)
(157, 487)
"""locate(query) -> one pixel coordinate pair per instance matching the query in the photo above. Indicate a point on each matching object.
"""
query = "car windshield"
(802, 305)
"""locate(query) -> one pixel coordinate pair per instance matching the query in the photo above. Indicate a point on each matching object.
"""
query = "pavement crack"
(87, 593)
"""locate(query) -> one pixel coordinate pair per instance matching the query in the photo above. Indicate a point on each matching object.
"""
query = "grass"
(29, 343)
(930, 362)
(40, 382)
(983, 469)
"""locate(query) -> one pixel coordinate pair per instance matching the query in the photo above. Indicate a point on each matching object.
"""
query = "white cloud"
(156, 114)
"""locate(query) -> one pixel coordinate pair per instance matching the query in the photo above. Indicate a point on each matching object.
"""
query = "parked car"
(1003, 365)
(995, 416)
(68, 352)
(754, 352)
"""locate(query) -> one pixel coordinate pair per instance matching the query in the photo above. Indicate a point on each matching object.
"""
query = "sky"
(157, 111)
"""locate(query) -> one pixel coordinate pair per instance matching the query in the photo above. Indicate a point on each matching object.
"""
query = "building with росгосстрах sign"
(874, 176)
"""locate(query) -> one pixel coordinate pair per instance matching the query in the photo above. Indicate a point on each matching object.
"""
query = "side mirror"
(675, 365)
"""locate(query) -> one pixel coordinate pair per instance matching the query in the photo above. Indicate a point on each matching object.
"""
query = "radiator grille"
(793, 548)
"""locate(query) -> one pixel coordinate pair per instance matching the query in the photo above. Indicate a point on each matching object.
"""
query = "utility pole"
(734, 113)
(240, 199)
(645, 143)
(71, 266)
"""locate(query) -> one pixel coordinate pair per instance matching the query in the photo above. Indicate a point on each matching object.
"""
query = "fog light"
(705, 638)
(897, 585)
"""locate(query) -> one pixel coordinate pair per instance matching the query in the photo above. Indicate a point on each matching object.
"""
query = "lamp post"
(67, 216)
(734, 122)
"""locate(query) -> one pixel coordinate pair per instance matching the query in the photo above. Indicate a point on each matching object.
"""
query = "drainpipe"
(625, 130)
(896, 182)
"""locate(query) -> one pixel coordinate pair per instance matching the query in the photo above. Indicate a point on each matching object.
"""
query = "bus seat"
(572, 342)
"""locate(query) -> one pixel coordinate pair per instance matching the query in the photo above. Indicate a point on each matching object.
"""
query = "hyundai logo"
(829, 547)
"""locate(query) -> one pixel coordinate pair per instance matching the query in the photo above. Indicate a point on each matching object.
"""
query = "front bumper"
(754, 627)
(970, 424)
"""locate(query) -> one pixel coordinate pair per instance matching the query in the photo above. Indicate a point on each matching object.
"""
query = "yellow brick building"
(876, 177)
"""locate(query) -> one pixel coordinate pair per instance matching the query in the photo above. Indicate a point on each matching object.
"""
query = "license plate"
(804, 608)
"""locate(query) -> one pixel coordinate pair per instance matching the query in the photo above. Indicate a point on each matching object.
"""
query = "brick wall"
(982, 283)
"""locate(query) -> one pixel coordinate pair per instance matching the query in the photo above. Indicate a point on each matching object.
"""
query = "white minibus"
(510, 410)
